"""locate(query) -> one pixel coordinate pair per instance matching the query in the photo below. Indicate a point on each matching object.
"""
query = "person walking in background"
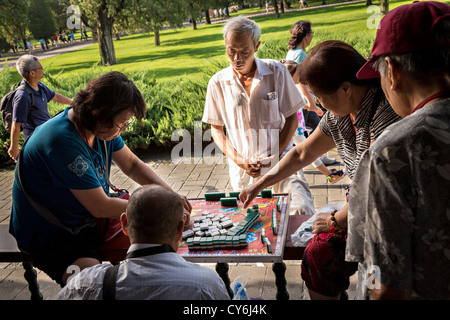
(27, 116)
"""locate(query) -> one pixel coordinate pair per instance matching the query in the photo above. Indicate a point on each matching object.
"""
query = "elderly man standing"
(399, 210)
(256, 101)
(30, 104)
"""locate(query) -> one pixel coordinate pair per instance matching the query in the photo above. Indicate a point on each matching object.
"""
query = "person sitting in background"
(64, 166)
(399, 216)
(26, 116)
(357, 114)
(152, 270)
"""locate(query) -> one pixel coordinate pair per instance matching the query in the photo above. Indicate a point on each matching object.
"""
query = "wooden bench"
(9, 252)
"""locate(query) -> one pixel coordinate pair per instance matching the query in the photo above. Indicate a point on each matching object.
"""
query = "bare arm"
(99, 204)
(59, 98)
(102, 206)
(299, 157)
(13, 150)
(140, 172)
(135, 168)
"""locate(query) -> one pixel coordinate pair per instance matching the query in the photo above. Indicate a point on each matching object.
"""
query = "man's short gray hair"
(241, 24)
(25, 64)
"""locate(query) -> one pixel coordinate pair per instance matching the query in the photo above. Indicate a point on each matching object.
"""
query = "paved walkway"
(193, 180)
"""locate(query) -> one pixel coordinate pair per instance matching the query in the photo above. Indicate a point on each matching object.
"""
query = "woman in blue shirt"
(64, 167)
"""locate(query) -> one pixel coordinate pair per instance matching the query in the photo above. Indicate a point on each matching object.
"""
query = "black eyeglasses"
(126, 125)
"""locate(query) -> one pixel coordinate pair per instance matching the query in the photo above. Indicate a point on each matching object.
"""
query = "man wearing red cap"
(399, 210)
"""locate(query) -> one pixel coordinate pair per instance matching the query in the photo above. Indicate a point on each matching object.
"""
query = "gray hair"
(153, 214)
(241, 24)
(25, 64)
(417, 65)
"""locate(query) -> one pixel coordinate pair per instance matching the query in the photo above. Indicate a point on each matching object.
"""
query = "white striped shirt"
(374, 115)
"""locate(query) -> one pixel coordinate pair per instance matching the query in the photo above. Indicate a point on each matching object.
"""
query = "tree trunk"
(207, 17)
(105, 39)
(368, 2)
(194, 23)
(275, 6)
(157, 41)
(281, 6)
(384, 6)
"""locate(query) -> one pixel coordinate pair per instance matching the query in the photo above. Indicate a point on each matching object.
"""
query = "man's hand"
(13, 152)
(187, 210)
(251, 168)
(248, 194)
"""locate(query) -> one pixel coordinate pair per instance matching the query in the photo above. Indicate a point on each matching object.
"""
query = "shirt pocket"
(270, 112)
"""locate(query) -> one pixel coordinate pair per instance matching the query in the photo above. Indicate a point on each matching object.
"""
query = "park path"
(64, 48)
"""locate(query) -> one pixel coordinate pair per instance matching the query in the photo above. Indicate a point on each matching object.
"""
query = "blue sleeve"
(71, 166)
(301, 56)
(21, 106)
(117, 144)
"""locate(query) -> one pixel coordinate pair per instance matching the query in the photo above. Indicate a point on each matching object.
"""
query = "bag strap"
(113, 187)
(110, 278)
(109, 283)
(40, 208)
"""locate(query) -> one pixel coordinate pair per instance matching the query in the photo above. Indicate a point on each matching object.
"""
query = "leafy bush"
(171, 104)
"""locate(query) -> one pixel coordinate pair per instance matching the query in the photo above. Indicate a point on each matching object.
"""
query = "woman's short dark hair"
(298, 31)
(104, 98)
(329, 64)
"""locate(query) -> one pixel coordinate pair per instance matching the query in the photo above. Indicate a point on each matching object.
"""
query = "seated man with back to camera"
(152, 269)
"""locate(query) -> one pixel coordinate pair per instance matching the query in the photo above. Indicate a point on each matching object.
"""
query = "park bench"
(9, 252)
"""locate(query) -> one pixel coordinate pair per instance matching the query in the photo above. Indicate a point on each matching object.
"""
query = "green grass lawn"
(183, 52)
(173, 77)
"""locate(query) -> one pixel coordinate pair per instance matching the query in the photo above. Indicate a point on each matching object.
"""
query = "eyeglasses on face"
(125, 126)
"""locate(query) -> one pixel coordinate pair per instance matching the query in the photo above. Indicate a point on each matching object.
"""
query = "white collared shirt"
(252, 123)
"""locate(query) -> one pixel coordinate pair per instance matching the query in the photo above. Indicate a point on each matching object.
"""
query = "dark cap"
(407, 28)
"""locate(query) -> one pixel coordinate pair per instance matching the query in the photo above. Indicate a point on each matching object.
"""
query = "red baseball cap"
(407, 28)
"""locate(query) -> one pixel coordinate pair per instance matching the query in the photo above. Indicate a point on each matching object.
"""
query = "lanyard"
(434, 96)
(149, 251)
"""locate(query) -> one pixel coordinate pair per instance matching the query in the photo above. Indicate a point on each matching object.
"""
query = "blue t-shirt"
(21, 108)
(297, 55)
(56, 159)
